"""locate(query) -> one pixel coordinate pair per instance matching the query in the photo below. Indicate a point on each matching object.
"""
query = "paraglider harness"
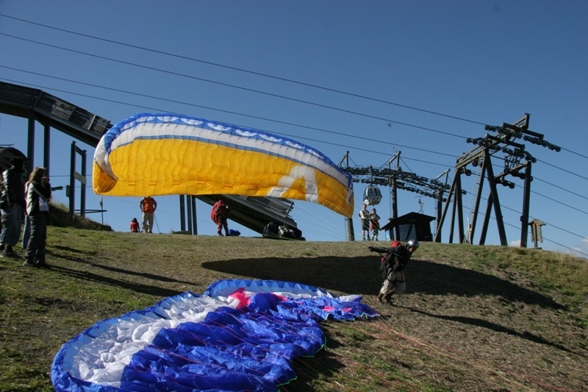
(393, 259)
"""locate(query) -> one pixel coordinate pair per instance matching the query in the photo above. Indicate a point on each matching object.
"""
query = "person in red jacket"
(148, 205)
(219, 215)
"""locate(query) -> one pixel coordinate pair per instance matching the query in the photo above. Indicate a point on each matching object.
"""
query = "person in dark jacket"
(393, 261)
(12, 205)
(38, 194)
(374, 224)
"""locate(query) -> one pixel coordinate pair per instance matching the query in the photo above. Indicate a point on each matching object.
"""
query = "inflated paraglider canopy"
(168, 154)
(240, 335)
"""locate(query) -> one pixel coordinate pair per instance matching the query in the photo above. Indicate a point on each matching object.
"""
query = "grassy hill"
(474, 318)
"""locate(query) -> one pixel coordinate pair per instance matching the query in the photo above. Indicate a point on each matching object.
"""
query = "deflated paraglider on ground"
(169, 154)
(239, 335)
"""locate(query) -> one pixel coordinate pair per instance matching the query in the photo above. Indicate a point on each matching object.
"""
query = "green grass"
(473, 317)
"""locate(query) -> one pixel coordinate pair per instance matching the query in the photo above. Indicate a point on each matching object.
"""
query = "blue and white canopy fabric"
(239, 335)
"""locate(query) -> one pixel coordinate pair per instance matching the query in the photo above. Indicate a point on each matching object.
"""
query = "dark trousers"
(222, 224)
(38, 239)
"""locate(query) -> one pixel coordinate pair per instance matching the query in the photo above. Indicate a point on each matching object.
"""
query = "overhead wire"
(544, 238)
(560, 188)
(554, 242)
(574, 152)
(333, 226)
(244, 70)
(560, 202)
(550, 224)
(258, 91)
(255, 73)
(555, 200)
(280, 96)
(241, 88)
(220, 110)
(564, 170)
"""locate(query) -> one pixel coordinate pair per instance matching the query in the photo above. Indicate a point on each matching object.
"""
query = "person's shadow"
(361, 275)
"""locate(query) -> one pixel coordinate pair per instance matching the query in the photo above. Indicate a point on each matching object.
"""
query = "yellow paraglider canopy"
(167, 154)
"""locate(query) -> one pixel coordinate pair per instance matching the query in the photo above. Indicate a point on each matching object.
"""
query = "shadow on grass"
(361, 275)
(118, 270)
(92, 277)
(324, 364)
(492, 326)
(137, 287)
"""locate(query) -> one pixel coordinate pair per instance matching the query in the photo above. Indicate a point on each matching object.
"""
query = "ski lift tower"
(480, 157)
(396, 179)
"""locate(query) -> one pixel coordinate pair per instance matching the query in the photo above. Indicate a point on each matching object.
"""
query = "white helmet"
(413, 244)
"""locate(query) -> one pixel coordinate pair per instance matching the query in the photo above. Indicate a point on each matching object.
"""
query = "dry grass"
(473, 318)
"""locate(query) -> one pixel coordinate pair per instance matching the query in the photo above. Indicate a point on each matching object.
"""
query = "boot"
(380, 296)
(9, 252)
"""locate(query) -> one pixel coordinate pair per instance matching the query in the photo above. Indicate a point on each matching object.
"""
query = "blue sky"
(372, 78)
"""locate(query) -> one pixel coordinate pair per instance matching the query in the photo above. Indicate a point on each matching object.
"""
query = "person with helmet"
(393, 261)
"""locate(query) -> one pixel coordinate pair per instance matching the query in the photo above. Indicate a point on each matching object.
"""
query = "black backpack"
(394, 260)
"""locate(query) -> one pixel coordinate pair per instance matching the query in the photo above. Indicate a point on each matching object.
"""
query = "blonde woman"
(38, 194)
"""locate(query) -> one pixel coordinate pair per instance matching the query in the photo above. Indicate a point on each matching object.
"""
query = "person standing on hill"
(374, 224)
(148, 205)
(220, 215)
(393, 261)
(364, 215)
(38, 194)
(12, 205)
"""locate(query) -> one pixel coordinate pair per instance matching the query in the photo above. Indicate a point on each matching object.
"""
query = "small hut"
(412, 225)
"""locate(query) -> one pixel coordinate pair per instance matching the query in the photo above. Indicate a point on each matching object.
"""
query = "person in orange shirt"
(148, 205)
